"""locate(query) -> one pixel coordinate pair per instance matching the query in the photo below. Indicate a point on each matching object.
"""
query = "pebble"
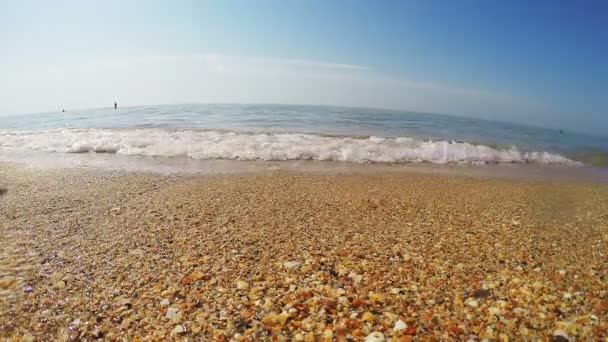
(178, 329)
(471, 302)
(357, 278)
(171, 312)
(560, 336)
(292, 264)
(481, 293)
(376, 336)
(165, 302)
(495, 311)
(59, 285)
(126, 323)
(368, 317)
(242, 285)
(400, 325)
(76, 323)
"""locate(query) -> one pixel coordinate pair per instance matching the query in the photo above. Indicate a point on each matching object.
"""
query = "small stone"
(165, 302)
(191, 278)
(471, 302)
(481, 293)
(126, 323)
(177, 318)
(515, 222)
(355, 277)
(242, 285)
(59, 285)
(375, 337)
(270, 319)
(28, 289)
(282, 318)
(178, 329)
(495, 311)
(400, 325)
(171, 312)
(537, 285)
(291, 264)
(560, 336)
(562, 272)
(76, 323)
(368, 317)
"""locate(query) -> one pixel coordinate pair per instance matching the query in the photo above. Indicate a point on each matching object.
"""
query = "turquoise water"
(286, 132)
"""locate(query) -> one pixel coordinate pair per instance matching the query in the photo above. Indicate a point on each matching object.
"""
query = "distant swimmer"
(63, 110)
(561, 132)
(115, 105)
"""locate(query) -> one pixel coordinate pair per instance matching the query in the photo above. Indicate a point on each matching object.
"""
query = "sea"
(182, 135)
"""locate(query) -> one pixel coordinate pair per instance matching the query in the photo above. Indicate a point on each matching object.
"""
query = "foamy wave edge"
(268, 146)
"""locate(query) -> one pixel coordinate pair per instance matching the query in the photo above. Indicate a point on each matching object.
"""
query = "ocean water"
(292, 133)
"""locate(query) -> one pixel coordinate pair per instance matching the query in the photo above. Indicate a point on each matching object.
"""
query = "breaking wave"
(197, 144)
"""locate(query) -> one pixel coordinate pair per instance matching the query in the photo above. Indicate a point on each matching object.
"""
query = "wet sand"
(89, 254)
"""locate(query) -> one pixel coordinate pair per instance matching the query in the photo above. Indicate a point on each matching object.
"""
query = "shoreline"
(187, 166)
(89, 253)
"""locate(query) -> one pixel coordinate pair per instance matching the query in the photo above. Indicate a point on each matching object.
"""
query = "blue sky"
(540, 62)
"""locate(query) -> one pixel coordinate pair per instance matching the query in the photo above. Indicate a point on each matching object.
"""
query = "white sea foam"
(265, 146)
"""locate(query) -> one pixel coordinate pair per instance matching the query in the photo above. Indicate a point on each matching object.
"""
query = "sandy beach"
(91, 254)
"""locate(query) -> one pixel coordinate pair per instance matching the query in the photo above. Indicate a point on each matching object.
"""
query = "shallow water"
(292, 133)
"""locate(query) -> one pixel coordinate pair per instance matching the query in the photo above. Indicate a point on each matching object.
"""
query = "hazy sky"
(540, 62)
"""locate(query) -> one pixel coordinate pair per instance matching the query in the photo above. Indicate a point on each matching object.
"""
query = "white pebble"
(291, 264)
(171, 312)
(471, 302)
(165, 302)
(375, 337)
(495, 311)
(400, 325)
(76, 323)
